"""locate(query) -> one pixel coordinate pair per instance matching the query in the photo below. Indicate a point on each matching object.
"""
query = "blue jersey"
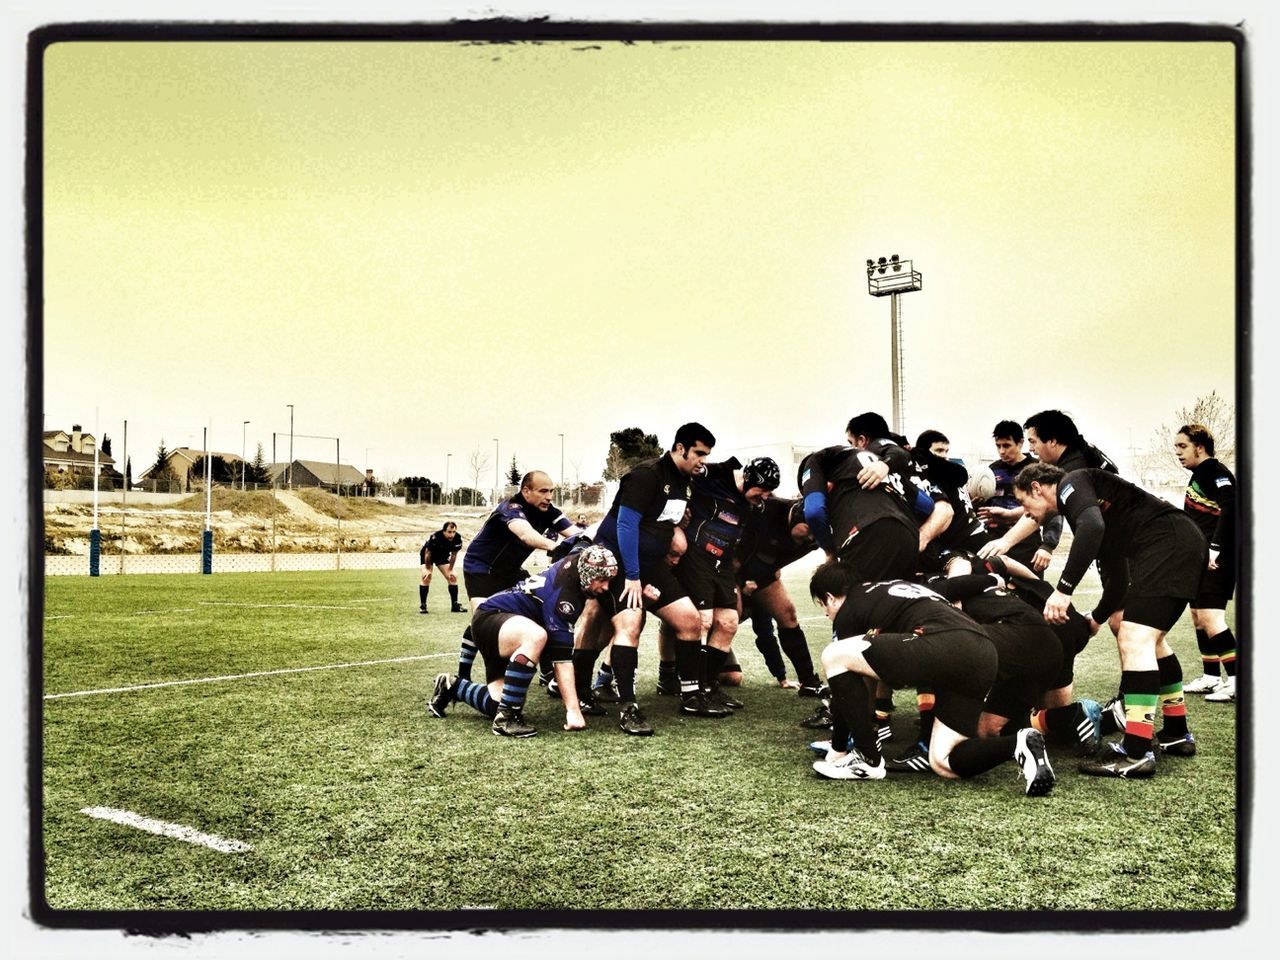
(553, 599)
(496, 550)
(718, 511)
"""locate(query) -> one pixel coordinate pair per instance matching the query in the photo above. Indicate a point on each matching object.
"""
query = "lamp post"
(242, 449)
(889, 278)
(290, 406)
(448, 457)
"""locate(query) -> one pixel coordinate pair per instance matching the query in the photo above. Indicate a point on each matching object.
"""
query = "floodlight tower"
(889, 278)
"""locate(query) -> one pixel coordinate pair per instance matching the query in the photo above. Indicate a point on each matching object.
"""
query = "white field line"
(292, 606)
(246, 676)
(176, 830)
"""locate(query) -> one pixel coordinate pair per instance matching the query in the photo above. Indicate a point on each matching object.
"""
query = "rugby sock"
(688, 662)
(979, 754)
(1058, 724)
(796, 646)
(924, 703)
(851, 710)
(515, 684)
(1208, 653)
(476, 696)
(712, 662)
(667, 678)
(422, 595)
(453, 594)
(624, 671)
(1141, 690)
(767, 644)
(605, 677)
(1224, 645)
(466, 655)
(584, 663)
(1173, 704)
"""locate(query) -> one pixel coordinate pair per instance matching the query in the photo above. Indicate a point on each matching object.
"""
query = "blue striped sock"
(516, 681)
(476, 696)
(466, 657)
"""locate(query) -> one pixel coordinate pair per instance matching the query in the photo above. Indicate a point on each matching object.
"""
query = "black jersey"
(660, 493)
(1210, 501)
(951, 480)
(1125, 510)
(767, 545)
(440, 547)
(717, 511)
(896, 606)
(1085, 457)
(984, 597)
(833, 473)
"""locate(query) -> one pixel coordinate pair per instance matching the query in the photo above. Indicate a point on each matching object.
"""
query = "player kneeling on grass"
(929, 644)
(512, 629)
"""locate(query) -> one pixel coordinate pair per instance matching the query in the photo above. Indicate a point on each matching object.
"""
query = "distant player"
(1153, 556)
(440, 551)
(513, 629)
(495, 560)
(776, 536)
(1210, 501)
(1002, 510)
(935, 472)
(908, 636)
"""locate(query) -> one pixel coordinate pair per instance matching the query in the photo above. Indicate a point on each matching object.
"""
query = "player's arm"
(813, 488)
(939, 518)
(1024, 528)
(1225, 494)
(1079, 504)
(523, 531)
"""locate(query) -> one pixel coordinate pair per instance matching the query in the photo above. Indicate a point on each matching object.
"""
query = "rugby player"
(495, 560)
(1153, 555)
(515, 628)
(907, 635)
(652, 499)
(1002, 510)
(440, 551)
(1210, 501)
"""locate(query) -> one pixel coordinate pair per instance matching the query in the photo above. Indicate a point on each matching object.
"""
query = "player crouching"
(515, 627)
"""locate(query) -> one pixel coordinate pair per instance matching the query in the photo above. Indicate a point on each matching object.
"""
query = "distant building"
(186, 465)
(73, 452)
(316, 473)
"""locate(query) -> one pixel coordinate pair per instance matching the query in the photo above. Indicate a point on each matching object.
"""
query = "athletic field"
(260, 742)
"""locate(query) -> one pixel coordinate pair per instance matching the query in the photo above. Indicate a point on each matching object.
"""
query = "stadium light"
(892, 285)
(242, 462)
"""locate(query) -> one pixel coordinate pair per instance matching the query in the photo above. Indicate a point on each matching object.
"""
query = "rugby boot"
(510, 723)
(1032, 757)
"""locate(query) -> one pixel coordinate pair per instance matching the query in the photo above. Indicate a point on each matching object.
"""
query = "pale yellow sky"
(424, 246)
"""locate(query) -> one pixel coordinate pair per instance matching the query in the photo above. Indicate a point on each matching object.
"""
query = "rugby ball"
(982, 484)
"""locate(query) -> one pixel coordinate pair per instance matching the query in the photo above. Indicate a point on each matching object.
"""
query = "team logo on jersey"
(1065, 493)
(565, 609)
(666, 488)
(729, 518)
(1224, 481)
(804, 477)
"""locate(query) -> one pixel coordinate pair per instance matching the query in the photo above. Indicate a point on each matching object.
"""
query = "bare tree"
(479, 465)
(1217, 413)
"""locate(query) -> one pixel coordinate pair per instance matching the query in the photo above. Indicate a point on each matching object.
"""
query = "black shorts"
(485, 626)
(654, 573)
(1164, 567)
(708, 581)
(958, 665)
(1216, 587)
(481, 585)
(886, 550)
(1030, 659)
(1073, 636)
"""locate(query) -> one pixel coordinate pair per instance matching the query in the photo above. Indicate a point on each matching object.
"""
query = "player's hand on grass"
(1055, 608)
(573, 720)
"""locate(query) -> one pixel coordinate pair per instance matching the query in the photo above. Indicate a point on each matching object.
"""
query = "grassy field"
(351, 797)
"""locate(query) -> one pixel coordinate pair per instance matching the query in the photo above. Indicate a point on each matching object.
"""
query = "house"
(73, 452)
(187, 464)
(316, 473)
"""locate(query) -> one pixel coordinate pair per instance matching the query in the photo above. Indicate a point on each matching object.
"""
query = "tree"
(258, 469)
(105, 447)
(418, 490)
(468, 497)
(628, 447)
(1159, 466)
(161, 472)
(128, 472)
(513, 472)
(479, 464)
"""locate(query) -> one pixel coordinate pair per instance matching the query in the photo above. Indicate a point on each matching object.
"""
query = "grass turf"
(354, 798)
